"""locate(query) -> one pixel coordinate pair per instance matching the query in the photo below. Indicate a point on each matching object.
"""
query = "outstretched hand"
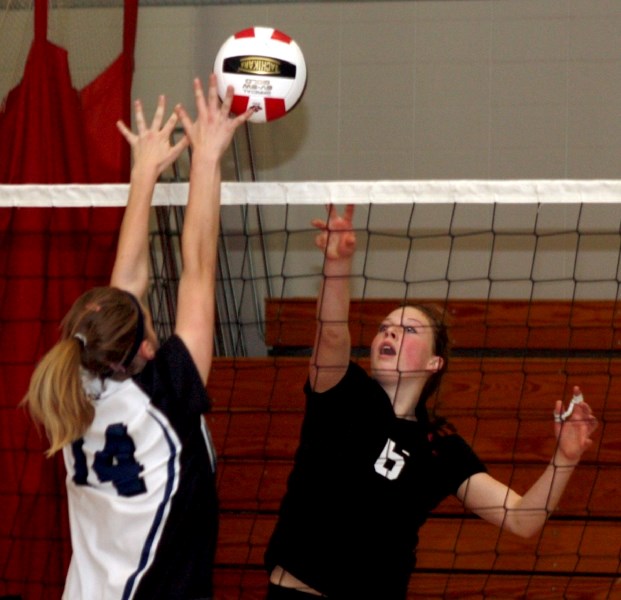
(213, 130)
(151, 145)
(574, 432)
(337, 237)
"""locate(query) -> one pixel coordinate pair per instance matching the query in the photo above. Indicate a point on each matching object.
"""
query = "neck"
(404, 394)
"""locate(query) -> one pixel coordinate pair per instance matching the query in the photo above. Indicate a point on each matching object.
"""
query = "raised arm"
(332, 347)
(209, 136)
(525, 515)
(152, 153)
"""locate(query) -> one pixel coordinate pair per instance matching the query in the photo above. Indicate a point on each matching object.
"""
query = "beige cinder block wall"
(421, 89)
(450, 89)
(434, 89)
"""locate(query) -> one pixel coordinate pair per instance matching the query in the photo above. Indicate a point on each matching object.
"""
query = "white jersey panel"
(121, 478)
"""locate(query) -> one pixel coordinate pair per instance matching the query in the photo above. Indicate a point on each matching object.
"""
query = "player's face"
(404, 344)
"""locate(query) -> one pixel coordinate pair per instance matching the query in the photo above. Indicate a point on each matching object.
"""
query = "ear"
(436, 363)
(146, 350)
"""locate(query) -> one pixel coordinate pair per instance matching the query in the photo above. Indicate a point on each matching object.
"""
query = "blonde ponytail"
(56, 398)
(101, 334)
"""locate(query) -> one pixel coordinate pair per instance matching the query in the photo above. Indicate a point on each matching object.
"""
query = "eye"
(409, 329)
(383, 327)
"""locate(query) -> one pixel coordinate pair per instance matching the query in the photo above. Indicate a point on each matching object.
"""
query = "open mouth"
(387, 350)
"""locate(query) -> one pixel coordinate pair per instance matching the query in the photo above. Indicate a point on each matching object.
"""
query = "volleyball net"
(527, 273)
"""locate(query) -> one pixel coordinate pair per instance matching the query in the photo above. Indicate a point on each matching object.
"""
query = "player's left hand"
(573, 432)
(337, 237)
(213, 130)
(151, 146)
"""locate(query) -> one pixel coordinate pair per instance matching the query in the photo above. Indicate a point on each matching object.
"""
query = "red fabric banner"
(50, 133)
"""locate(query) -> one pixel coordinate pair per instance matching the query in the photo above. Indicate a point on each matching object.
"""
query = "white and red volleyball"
(266, 69)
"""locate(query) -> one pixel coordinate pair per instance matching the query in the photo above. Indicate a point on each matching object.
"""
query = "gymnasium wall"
(433, 89)
(421, 89)
(461, 89)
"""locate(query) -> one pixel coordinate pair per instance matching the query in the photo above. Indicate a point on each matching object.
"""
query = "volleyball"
(266, 69)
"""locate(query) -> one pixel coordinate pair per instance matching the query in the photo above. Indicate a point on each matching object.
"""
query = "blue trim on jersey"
(144, 557)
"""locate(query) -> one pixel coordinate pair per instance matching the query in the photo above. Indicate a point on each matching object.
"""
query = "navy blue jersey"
(363, 483)
(141, 487)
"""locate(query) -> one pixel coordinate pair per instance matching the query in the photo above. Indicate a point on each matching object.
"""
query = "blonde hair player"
(371, 465)
(127, 414)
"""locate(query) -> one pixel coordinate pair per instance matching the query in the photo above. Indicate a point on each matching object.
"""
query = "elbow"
(528, 533)
(525, 526)
(332, 347)
(333, 335)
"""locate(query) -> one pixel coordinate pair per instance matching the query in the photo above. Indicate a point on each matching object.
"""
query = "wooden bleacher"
(511, 361)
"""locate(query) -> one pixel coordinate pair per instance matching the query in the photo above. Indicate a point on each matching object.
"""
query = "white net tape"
(325, 192)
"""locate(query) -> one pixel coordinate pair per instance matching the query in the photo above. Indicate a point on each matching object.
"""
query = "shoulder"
(174, 345)
(449, 441)
(354, 376)
(457, 457)
(173, 355)
(172, 374)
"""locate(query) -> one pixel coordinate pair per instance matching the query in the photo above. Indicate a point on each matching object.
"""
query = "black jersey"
(363, 483)
(141, 488)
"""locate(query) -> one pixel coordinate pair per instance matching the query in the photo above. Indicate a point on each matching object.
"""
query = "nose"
(390, 331)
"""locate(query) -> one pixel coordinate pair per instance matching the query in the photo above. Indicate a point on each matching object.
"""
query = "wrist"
(337, 267)
(144, 173)
(205, 156)
(561, 460)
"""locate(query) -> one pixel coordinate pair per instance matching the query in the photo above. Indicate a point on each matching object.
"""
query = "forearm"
(201, 222)
(543, 497)
(131, 266)
(525, 515)
(334, 297)
(196, 297)
(531, 511)
(333, 301)
(332, 346)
